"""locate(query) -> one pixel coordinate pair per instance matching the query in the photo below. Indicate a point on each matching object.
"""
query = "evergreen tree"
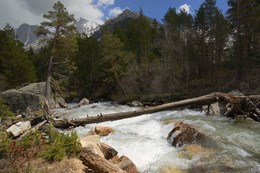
(115, 60)
(63, 41)
(140, 39)
(243, 16)
(87, 63)
(16, 66)
(212, 33)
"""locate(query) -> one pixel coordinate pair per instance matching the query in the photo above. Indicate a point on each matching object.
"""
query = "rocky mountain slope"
(26, 33)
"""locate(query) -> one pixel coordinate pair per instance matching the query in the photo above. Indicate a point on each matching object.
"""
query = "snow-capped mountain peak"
(26, 33)
(85, 26)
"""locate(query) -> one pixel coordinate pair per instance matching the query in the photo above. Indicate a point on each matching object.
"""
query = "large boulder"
(183, 134)
(31, 97)
(36, 88)
(39, 89)
(22, 101)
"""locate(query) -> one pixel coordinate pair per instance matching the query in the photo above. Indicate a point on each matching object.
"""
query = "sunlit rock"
(183, 134)
(125, 164)
(101, 131)
(92, 143)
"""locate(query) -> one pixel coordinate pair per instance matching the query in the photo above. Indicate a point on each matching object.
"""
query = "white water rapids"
(143, 139)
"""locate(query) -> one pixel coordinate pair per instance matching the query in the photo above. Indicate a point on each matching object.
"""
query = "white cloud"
(115, 12)
(184, 7)
(105, 3)
(17, 12)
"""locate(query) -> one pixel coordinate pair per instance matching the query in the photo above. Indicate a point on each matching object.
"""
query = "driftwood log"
(245, 106)
(98, 164)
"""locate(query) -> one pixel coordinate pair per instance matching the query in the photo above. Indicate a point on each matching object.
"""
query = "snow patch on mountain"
(85, 26)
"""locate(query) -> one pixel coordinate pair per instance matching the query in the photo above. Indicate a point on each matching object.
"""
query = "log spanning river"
(143, 140)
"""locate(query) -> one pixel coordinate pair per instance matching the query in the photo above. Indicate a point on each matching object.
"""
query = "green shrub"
(60, 145)
(5, 111)
(5, 142)
(32, 139)
(55, 151)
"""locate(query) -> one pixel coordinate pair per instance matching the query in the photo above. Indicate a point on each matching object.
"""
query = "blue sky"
(17, 12)
(158, 8)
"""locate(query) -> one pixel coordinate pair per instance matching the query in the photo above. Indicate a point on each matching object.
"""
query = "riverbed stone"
(83, 102)
(108, 151)
(196, 149)
(101, 131)
(183, 134)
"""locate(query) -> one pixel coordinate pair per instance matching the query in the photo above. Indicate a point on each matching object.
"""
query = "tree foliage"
(114, 60)
(63, 42)
(14, 61)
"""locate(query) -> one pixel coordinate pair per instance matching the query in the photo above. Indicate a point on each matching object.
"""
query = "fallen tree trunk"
(239, 105)
(98, 164)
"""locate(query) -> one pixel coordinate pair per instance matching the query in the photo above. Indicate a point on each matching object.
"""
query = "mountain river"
(143, 140)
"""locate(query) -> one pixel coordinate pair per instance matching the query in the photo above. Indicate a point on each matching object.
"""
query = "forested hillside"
(140, 58)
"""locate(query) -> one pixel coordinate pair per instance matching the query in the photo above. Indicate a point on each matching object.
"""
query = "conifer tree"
(16, 66)
(61, 32)
(243, 16)
(115, 60)
(87, 63)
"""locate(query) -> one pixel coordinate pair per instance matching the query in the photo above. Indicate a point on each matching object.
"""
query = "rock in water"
(125, 164)
(108, 151)
(183, 134)
(101, 131)
(83, 102)
(135, 104)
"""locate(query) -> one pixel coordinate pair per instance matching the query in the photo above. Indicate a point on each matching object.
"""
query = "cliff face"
(25, 33)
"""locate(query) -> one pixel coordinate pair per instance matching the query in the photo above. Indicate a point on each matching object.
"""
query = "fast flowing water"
(143, 140)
